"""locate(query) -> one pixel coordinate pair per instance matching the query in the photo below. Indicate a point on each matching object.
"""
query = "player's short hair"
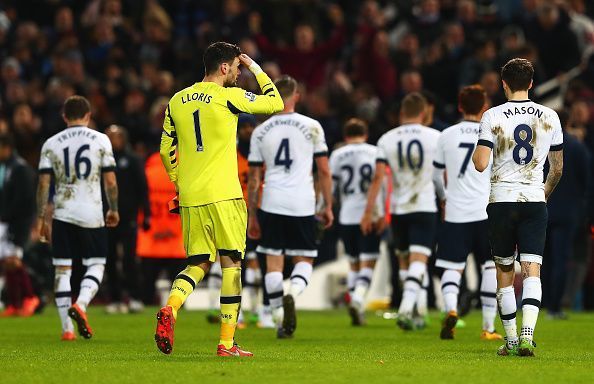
(76, 107)
(355, 127)
(472, 99)
(413, 104)
(219, 53)
(517, 74)
(286, 86)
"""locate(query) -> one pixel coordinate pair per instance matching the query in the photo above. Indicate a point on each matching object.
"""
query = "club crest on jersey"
(250, 96)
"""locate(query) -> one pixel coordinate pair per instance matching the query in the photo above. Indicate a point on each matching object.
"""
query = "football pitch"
(326, 349)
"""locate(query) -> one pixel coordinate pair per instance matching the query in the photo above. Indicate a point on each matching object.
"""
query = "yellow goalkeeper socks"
(184, 284)
(230, 302)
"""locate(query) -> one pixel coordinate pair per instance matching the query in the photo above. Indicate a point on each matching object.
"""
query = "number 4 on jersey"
(283, 155)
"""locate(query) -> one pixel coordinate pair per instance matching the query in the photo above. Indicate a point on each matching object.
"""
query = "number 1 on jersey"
(283, 155)
(199, 146)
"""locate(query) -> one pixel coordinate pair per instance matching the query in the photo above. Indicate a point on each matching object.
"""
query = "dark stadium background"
(128, 57)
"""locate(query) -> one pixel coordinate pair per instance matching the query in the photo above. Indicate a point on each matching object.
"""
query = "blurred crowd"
(352, 58)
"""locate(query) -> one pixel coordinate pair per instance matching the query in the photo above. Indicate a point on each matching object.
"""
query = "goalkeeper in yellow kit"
(198, 150)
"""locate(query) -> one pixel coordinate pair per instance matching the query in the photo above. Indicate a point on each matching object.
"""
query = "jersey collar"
(519, 101)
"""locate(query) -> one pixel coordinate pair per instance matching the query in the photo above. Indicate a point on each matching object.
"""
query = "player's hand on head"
(254, 231)
(245, 60)
(112, 218)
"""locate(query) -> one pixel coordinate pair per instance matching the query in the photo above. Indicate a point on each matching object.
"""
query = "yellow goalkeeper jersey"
(198, 144)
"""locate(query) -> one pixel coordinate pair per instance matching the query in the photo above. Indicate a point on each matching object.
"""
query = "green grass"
(326, 349)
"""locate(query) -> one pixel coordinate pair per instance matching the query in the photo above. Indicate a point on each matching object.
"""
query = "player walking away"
(286, 145)
(409, 151)
(78, 157)
(521, 135)
(352, 169)
(198, 150)
(465, 227)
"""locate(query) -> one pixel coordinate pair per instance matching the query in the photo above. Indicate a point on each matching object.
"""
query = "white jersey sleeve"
(255, 155)
(319, 140)
(485, 136)
(108, 162)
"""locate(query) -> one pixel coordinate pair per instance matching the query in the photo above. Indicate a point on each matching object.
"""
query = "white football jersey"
(409, 150)
(286, 145)
(467, 193)
(353, 167)
(521, 134)
(76, 157)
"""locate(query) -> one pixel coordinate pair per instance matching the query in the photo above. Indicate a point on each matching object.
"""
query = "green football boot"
(504, 350)
(526, 347)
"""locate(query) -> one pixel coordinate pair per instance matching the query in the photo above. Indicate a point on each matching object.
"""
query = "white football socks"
(252, 282)
(412, 285)
(488, 296)
(213, 284)
(450, 288)
(63, 296)
(300, 278)
(506, 298)
(531, 297)
(89, 285)
(362, 285)
(351, 279)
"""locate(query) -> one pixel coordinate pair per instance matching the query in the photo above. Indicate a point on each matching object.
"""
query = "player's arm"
(439, 170)
(168, 147)
(372, 193)
(268, 102)
(555, 171)
(325, 182)
(43, 188)
(484, 146)
(555, 159)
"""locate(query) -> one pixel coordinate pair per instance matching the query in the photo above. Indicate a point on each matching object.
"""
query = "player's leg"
(455, 242)
(531, 242)
(301, 246)
(368, 255)
(229, 226)
(502, 238)
(91, 244)
(213, 285)
(62, 261)
(201, 252)
(421, 233)
(351, 250)
(274, 285)
(488, 288)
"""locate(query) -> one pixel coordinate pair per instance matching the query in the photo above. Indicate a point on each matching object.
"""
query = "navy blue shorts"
(359, 246)
(415, 232)
(287, 235)
(457, 240)
(70, 241)
(517, 226)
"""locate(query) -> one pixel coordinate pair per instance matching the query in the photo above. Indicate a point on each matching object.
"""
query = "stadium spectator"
(17, 209)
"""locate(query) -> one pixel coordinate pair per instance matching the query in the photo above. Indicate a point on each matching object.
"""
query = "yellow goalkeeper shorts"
(211, 229)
